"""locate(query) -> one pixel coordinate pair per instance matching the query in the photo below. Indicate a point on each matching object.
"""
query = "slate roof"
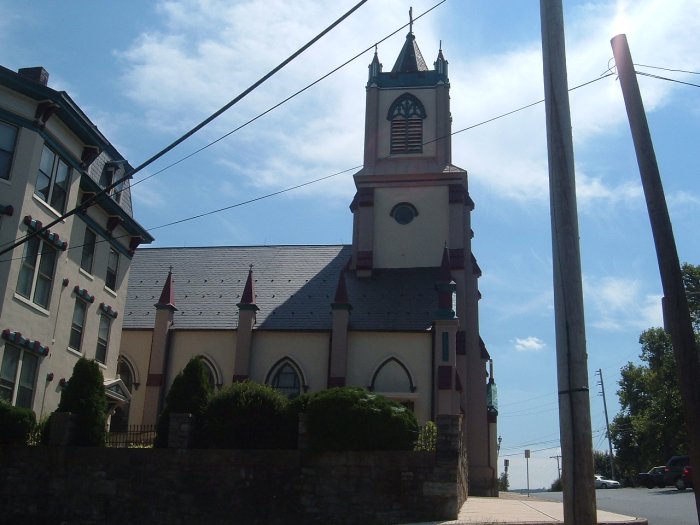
(294, 288)
(410, 59)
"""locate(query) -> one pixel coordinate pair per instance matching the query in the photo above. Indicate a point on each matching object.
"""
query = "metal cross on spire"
(410, 19)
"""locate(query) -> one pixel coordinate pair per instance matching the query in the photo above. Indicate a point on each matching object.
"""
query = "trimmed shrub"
(351, 418)
(84, 396)
(189, 394)
(249, 415)
(16, 424)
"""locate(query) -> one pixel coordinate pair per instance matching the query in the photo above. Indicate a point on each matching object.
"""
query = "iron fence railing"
(134, 436)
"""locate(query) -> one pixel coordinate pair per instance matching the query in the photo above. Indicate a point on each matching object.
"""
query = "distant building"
(395, 312)
(62, 292)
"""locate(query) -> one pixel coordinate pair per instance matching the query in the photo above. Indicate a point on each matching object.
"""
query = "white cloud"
(620, 303)
(205, 52)
(530, 344)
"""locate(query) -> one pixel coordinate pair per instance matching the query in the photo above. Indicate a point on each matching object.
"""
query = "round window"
(404, 212)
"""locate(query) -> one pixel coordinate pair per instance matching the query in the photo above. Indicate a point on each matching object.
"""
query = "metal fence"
(135, 436)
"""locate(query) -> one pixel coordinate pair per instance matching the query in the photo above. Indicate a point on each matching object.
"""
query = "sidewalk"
(515, 509)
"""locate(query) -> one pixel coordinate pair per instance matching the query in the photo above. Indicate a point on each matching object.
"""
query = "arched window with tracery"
(406, 115)
(286, 376)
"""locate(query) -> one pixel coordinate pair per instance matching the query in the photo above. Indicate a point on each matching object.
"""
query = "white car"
(602, 483)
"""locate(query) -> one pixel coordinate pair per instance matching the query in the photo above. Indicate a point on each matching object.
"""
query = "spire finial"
(410, 19)
(170, 268)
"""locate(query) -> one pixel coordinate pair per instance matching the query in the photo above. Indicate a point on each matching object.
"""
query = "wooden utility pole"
(572, 361)
(607, 425)
(675, 303)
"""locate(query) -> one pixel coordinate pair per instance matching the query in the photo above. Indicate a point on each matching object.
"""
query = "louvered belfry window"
(406, 115)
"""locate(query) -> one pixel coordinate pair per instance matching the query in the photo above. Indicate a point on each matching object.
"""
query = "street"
(666, 506)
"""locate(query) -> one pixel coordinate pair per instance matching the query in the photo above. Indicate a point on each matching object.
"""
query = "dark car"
(653, 478)
(673, 471)
(686, 481)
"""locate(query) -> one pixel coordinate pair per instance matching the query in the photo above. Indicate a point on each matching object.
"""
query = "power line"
(667, 79)
(285, 190)
(129, 175)
(669, 69)
(290, 97)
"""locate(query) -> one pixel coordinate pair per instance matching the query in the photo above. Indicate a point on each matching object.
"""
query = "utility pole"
(558, 469)
(572, 361)
(675, 303)
(607, 424)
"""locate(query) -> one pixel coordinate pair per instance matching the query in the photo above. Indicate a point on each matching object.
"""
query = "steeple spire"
(167, 296)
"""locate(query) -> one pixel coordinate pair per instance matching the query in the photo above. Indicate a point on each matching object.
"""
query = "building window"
(406, 115)
(88, 250)
(404, 212)
(18, 376)
(112, 268)
(103, 339)
(107, 178)
(77, 325)
(52, 180)
(285, 377)
(36, 274)
(8, 136)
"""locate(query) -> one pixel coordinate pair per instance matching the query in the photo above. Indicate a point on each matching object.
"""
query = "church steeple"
(410, 59)
(375, 67)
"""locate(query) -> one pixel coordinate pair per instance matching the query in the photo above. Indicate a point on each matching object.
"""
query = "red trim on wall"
(334, 382)
(154, 380)
(444, 377)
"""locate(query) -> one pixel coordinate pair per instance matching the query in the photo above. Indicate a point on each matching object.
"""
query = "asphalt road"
(660, 506)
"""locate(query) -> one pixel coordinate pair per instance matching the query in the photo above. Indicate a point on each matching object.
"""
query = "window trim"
(108, 319)
(405, 116)
(52, 184)
(42, 249)
(116, 269)
(93, 244)
(81, 328)
(10, 152)
(17, 380)
(275, 369)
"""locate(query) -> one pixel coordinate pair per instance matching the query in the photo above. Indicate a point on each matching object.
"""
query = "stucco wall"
(419, 243)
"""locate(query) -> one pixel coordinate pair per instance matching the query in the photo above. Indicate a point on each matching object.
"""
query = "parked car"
(653, 478)
(686, 480)
(674, 469)
(602, 483)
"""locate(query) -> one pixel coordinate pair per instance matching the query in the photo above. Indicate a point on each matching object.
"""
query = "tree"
(503, 483)
(601, 463)
(650, 427)
(84, 396)
(189, 394)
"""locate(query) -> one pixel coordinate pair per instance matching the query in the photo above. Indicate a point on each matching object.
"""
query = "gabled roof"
(294, 286)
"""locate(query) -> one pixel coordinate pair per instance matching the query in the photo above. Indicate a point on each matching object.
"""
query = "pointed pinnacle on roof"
(167, 296)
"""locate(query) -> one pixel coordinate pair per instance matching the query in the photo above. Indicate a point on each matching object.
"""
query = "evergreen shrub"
(249, 415)
(351, 418)
(189, 394)
(84, 396)
(16, 424)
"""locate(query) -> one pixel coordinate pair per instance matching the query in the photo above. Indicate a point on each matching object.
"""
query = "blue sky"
(145, 72)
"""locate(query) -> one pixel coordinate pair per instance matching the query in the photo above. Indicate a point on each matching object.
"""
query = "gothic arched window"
(406, 115)
(286, 377)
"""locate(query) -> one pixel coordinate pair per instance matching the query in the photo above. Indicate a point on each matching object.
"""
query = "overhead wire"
(188, 134)
(307, 183)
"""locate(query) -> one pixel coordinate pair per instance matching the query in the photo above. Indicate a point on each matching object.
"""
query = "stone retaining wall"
(74, 485)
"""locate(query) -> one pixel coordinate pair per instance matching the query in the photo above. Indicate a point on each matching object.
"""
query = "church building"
(395, 312)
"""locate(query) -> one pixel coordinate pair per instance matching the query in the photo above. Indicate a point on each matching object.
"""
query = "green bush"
(16, 424)
(84, 396)
(427, 438)
(189, 394)
(354, 419)
(249, 415)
